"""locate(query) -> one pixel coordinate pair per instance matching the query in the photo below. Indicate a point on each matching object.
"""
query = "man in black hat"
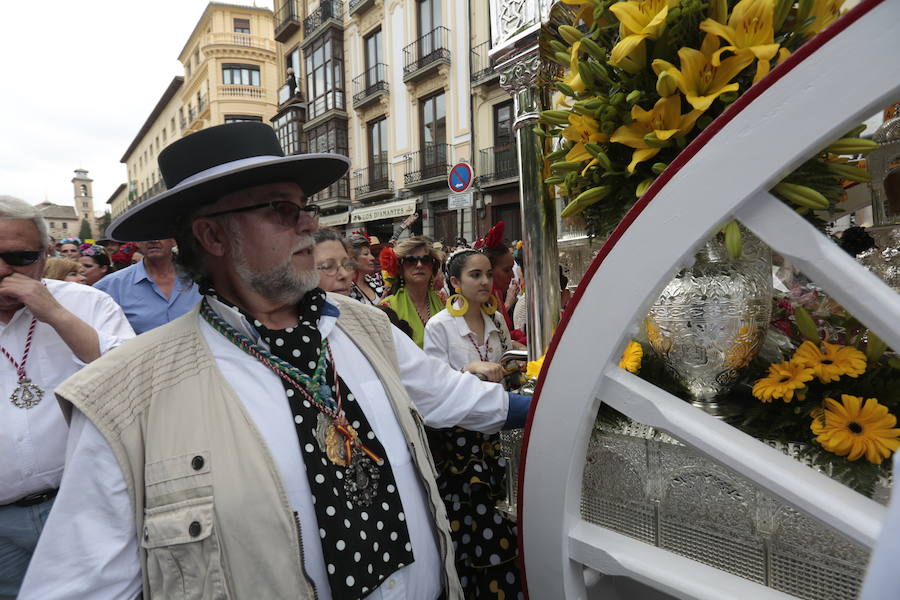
(266, 444)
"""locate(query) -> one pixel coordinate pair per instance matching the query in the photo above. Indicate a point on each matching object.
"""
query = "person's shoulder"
(68, 290)
(116, 277)
(441, 318)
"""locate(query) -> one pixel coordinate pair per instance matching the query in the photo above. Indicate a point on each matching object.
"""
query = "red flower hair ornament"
(493, 239)
(390, 267)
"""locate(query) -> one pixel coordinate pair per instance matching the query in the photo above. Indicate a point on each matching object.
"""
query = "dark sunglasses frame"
(21, 258)
(422, 260)
(311, 210)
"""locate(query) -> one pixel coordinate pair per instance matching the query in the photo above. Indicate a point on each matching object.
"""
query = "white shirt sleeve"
(111, 324)
(436, 344)
(88, 548)
(448, 398)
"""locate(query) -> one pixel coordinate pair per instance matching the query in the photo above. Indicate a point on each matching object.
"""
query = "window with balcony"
(433, 117)
(242, 25)
(378, 171)
(325, 75)
(429, 15)
(431, 159)
(433, 44)
(372, 43)
(240, 74)
(292, 81)
(328, 137)
(288, 127)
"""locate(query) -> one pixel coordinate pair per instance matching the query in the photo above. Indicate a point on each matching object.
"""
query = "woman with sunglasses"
(410, 270)
(336, 268)
(470, 335)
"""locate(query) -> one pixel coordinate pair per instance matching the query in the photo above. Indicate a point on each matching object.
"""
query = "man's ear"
(211, 235)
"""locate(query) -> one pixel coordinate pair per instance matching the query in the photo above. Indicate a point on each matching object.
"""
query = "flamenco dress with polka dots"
(472, 482)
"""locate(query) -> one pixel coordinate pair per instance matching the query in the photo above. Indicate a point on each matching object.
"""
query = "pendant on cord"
(26, 395)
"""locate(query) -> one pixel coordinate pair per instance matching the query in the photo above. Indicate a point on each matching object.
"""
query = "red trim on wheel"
(683, 157)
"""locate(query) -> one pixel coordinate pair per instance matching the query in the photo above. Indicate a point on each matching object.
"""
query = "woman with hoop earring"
(470, 336)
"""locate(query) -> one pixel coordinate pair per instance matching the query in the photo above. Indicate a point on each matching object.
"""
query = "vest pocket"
(184, 555)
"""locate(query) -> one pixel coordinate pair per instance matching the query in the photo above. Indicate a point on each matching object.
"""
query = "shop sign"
(459, 201)
(334, 220)
(391, 210)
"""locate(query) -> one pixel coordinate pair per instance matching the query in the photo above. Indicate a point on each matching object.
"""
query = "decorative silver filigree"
(711, 319)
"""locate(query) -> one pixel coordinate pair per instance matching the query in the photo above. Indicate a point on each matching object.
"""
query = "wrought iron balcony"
(358, 6)
(287, 20)
(426, 53)
(328, 13)
(482, 71)
(374, 182)
(428, 165)
(370, 85)
(496, 164)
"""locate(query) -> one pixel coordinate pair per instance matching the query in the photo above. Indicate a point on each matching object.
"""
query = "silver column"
(519, 76)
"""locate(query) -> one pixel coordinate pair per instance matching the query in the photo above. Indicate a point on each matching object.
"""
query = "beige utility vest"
(210, 508)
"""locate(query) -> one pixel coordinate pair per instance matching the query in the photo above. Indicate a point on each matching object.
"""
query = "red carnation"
(388, 261)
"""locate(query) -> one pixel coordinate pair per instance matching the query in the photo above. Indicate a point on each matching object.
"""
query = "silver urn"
(711, 319)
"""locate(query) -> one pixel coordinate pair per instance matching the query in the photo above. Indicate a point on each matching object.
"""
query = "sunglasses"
(288, 213)
(20, 258)
(408, 261)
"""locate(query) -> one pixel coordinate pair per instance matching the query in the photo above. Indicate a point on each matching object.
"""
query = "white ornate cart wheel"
(835, 81)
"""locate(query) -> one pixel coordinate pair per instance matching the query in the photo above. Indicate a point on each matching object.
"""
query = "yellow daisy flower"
(834, 362)
(783, 379)
(631, 358)
(853, 429)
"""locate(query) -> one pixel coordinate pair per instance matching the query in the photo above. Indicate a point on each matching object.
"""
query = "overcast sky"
(80, 78)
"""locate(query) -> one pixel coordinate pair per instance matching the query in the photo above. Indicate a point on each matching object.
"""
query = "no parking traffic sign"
(460, 177)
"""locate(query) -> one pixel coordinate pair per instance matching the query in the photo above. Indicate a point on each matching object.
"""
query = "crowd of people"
(238, 384)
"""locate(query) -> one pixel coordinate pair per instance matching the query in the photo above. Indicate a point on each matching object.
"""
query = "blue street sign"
(460, 177)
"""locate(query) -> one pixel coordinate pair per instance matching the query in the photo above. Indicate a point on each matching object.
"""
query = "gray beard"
(282, 283)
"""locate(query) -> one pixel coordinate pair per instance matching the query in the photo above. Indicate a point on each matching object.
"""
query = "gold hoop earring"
(464, 307)
(491, 308)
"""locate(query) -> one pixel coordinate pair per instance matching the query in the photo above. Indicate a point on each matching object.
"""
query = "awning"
(334, 220)
(390, 210)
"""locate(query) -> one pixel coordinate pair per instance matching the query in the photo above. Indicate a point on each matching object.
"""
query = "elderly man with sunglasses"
(269, 443)
(48, 330)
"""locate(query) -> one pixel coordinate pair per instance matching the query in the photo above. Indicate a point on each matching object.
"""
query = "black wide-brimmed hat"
(202, 167)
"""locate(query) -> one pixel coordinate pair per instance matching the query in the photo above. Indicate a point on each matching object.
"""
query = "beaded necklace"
(487, 349)
(332, 423)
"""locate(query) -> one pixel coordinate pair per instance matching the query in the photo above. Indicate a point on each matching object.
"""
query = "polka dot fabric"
(364, 535)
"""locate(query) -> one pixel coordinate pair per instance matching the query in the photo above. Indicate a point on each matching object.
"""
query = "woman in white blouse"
(470, 336)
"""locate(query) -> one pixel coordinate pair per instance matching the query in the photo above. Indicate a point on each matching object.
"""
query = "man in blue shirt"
(150, 291)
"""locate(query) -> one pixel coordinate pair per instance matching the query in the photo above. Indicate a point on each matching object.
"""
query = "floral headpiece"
(93, 250)
(493, 239)
(71, 240)
(83, 247)
(390, 267)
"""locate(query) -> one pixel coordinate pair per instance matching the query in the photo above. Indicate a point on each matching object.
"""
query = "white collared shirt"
(447, 338)
(61, 569)
(33, 441)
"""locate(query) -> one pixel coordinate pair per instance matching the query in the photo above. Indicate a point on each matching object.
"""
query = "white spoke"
(615, 554)
(863, 294)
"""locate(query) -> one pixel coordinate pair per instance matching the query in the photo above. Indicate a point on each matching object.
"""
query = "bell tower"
(84, 198)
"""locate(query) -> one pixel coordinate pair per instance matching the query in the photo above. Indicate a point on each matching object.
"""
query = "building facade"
(62, 221)
(230, 75)
(389, 84)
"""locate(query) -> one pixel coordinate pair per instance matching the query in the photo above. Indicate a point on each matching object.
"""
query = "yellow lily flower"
(665, 121)
(699, 79)
(573, 79)
(586, 10)
(825, 12)
(583, 130)
(638, 21)
(750, 30)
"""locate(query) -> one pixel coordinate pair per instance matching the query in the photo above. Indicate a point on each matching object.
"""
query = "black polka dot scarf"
(361, 521)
